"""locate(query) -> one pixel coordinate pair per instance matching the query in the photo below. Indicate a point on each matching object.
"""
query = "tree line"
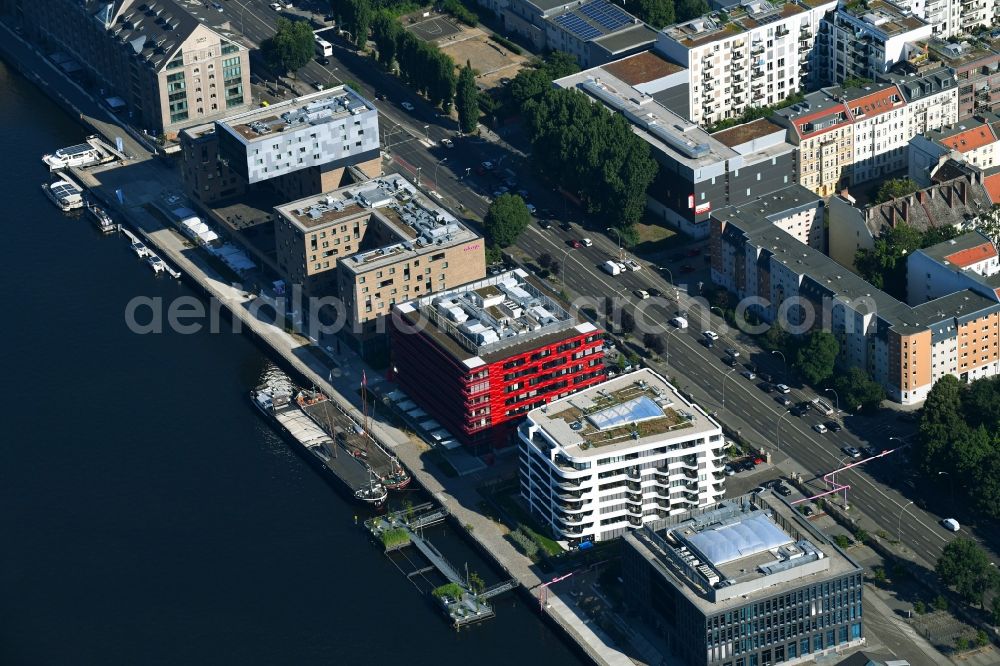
(421, 65)
(958, 446)
(591, 153)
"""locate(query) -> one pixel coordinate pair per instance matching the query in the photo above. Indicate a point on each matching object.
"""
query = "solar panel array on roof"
(577, 26)
(606, 14)
(632, 411)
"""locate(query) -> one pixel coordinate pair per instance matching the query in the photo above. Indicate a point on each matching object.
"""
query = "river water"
(148, 515)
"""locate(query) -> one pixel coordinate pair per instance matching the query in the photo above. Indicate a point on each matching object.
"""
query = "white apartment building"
(953, 17)
(881, 131)
(865, 41)
(931, 99)
(617, 456)
(759, 56)
(975, 141)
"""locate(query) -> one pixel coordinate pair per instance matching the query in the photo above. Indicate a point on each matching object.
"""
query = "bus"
(324, 48)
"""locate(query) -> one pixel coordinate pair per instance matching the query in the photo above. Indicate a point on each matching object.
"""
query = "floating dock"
(400, 529)
(143, 252)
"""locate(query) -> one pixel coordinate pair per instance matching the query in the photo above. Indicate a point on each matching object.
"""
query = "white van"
(611, 267)
(679, 322)
(951, 524)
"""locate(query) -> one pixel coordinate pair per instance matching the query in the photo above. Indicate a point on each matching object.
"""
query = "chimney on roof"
(904, 209)
(963, 188)
(920, 195)
(948, 195)
(930, 193)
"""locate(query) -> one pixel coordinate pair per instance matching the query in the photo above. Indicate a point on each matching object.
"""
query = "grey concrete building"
(160, 65)
(745, 582)
(298, 147)
(698, 171)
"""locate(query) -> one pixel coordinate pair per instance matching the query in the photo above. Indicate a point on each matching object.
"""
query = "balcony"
(633, 473)
(573, 530)
(738, 55)
(756, 73)
(756, 49)
(738, 90)
(803, 47)
(571, 520)
(566, 484)
(757, 85)
(634, 510)
(781, 32)
(635, 521)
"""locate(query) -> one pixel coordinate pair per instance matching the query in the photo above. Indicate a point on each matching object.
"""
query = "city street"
(412, 142)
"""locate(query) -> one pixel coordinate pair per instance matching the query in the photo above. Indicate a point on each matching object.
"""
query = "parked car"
(531, 209)
(575, 244)
(409, 107)
(732, 353)
(766, 387)
(708, 343)
(633, 265)
(749, 375)
(566, 226)
(679, 322)
(654, 292)
(833, 426)
(323, 61)
(711, 335)
(951, 524)
(728, 469)
(851, 451)
(586, 242)
(783, 490)
(782, 400)
(782, 388)
(807, 511)
(318, 85)
(447, 143)
(820, 428)
(641, 294)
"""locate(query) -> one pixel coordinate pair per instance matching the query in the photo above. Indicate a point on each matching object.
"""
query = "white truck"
(679, 322)
(611, 267)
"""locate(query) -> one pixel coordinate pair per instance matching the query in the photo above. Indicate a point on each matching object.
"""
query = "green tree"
(988, 223)
(981, 638)
(291, 46)
(476, 583)
(653, 343)
(940, 602)
(356, 17)
(857, 391)
(995, 611)
(385, 33)
(940, 420)
(690, 9)
(884, 266)
(467, 99)
(981, 403)
(985, 482)
(919, 607)
(961, 643)
(816, 359)
(506, 218)
(494, 255)
(965, 566)
(626, 322)
(895, 188)
(657, 13)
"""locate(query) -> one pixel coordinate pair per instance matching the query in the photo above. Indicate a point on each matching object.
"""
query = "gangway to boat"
(498, 589)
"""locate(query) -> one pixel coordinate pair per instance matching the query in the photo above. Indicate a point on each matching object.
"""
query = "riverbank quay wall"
(146, 179)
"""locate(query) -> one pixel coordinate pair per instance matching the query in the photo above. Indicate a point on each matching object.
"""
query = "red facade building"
(478, 357)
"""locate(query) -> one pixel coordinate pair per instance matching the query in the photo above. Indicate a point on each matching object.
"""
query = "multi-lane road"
(412, 142)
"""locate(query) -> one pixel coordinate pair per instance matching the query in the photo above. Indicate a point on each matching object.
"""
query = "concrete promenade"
(143, 181)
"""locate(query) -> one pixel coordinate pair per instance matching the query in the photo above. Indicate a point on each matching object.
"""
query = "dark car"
(746, 465)
(833, 426)
(869, 451)
(766, 387)
(782, 490)
(782, 400)
(544, 224)
(708, 343)
(566, 226)
(654, 292)
(798, 410)
(323, 61)
(729, 360)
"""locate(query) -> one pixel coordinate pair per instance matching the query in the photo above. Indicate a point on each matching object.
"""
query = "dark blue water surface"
(147, 514)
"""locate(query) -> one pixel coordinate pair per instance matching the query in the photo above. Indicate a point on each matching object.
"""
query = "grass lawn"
(508, 502)
(654, 237)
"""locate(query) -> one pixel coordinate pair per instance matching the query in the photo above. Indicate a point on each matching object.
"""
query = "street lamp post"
(443, 160)
(835, 397)
(619, 234)
(777, 430)
(899, 522)
(670, 275)
(427, 133)
(418, 175)
(724, 378)
(784, 362)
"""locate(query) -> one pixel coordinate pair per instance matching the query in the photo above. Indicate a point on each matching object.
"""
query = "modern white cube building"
(617, 456)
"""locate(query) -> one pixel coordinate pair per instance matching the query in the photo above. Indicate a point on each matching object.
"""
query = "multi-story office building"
(822, 127)
(977, 73)
(298, 147)
(170, 69)
(698, 171)
(594, 32)
(374, 244)
(953, 17)
(745, 582)
(759, 56)
(619, 456)
(903, 347)
(863, 40)
(477, 357)
(974, 141)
